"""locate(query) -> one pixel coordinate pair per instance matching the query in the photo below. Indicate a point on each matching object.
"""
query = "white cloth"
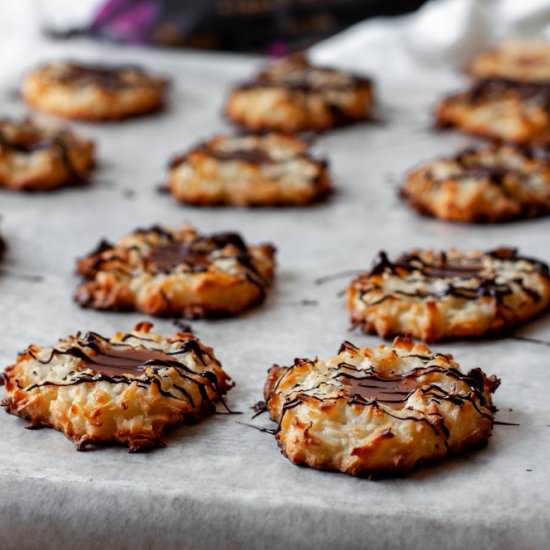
(22, 23)
(441, 35)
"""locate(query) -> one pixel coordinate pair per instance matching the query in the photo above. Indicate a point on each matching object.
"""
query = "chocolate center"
(452, 271)
(27, 141)
(486, 87)
(166, 258)
(441, 268)
(114, 361)
(389, 391)
(254, 155)
(196, 253)
(102, 75)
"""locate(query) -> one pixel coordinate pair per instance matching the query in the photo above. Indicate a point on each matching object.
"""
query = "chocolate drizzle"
(113, 361)
(368, 387)
(182, 325)
(102, 246)
(338, 275)
(257, 155)
(510, 253)
(103, 360)
(534, 152)
(194, 254)
(168, 257)
(296, 74)
(473, 164)
(484, 88)
(114, 77)
(393, 392)
(301, 84)
(31, 139)
(497, 174)
(252, 155)
(259, 408)
(530, 340)
(465, 271)
(455, 271)
(300, 80)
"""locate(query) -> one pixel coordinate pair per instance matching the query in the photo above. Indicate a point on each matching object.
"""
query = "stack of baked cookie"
(364, 411)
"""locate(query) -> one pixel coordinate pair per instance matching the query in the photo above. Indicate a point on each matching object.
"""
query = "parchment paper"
(220, 484)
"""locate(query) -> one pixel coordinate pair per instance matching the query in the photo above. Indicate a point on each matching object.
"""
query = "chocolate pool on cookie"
(176, 272)
(93, 91)
(291, 95)
(490, 183)
(269, 169)
(382, 410)
(501, 109)
(435, 295)
(41, 158)
(127, 389)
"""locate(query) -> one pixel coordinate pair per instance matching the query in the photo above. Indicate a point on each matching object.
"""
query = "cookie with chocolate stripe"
(269, 169)
(178, 272)
(378, 411)
(291, 95)
(501, 109)
(40, 158)
(435, 295)
(490, 183)
(93, 91)
(128, 389)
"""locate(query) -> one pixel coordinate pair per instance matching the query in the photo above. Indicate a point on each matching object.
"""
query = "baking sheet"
(219, 483)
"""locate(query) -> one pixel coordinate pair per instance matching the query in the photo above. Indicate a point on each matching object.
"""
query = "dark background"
(264, 26)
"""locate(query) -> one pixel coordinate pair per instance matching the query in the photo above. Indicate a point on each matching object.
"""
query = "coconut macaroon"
(501, 109)
(490, 183)
(127, 390)
(291, 95)
(249, 170)
(444, 295)
(527, 60)
(378, 410)
(93, 92)
(176, 271)
(42, 158)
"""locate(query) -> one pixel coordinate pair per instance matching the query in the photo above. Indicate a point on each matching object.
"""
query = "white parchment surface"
(220, 484)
